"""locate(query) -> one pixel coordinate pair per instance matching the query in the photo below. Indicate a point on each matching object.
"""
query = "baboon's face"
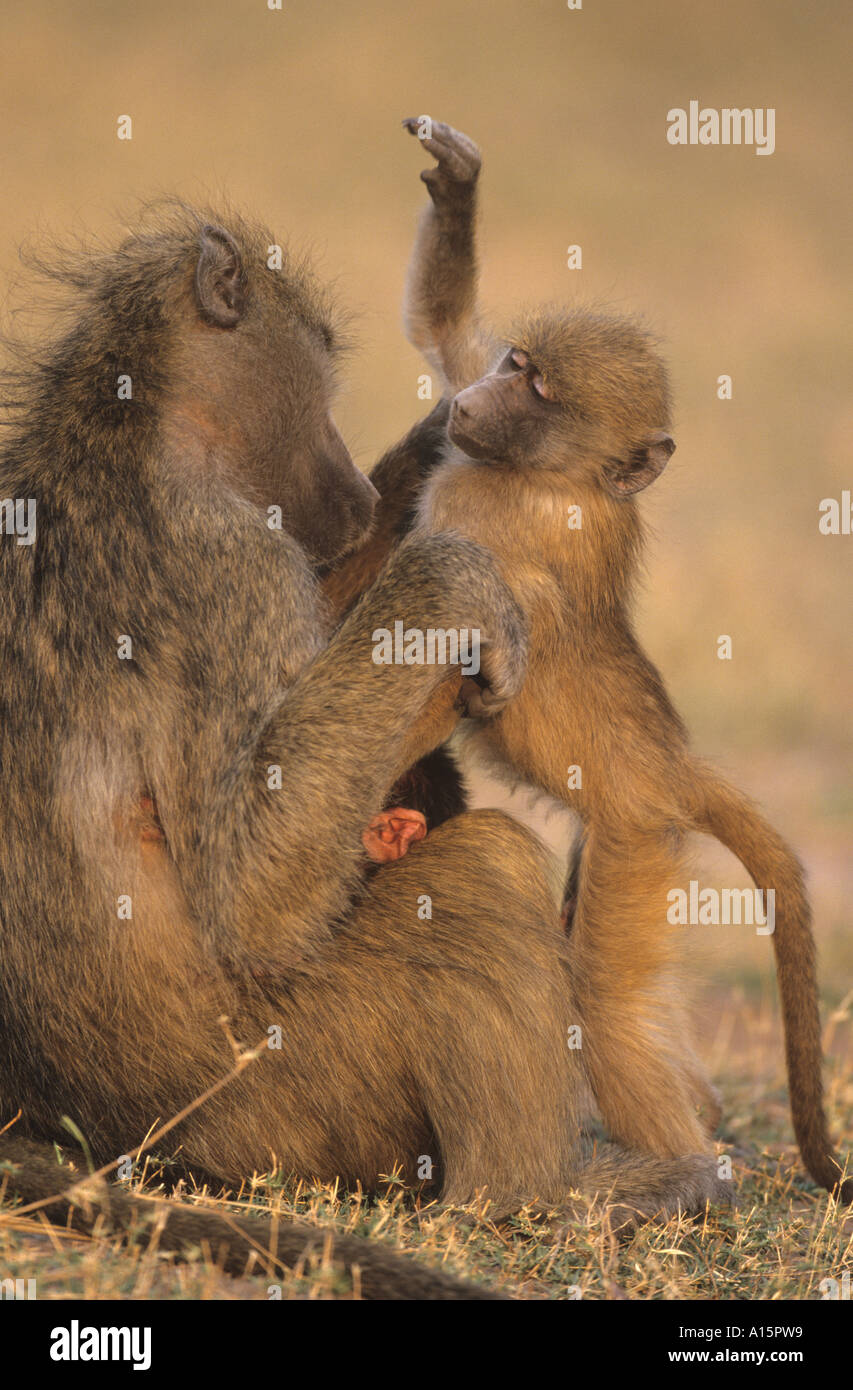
(293, 455)
(252, 404)
(507, 416)
(586, 417)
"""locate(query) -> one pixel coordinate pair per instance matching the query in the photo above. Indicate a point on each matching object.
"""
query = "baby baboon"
(560, 430)
(165, 664)
(427, 795)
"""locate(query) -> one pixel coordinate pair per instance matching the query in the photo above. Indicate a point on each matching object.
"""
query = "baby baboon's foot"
(389, 835)
(457, 158)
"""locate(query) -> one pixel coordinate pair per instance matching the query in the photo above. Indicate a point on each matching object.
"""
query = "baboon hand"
(457, 586)
(480, 701)
(458, 158)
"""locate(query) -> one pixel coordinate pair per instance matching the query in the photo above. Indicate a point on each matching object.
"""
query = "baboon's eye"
(540, 388)
(518, 359)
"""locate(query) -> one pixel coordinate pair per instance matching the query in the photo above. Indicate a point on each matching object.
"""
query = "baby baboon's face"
(507, 416)
(581, 394)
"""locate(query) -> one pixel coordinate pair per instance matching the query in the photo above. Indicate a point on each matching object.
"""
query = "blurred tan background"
(741, 262)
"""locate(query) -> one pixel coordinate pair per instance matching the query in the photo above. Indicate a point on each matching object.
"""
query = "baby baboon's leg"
(629, 997)
(501, 960)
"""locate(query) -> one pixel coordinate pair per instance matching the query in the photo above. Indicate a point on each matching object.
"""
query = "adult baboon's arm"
(283, 863)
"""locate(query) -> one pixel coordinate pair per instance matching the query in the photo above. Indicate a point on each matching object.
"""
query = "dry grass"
(780, 1241)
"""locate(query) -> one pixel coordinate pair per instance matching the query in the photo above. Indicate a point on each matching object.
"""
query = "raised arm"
(441, 319)
(440, 313)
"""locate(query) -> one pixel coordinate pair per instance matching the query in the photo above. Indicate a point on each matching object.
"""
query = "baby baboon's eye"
(518, 359)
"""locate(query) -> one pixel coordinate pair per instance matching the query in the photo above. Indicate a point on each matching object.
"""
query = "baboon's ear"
(219, 279)
(641, 467)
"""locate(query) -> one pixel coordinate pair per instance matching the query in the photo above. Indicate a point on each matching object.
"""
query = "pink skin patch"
(389, 834)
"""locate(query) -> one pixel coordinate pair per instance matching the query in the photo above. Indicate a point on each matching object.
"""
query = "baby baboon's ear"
(219, 278)
(641, 467)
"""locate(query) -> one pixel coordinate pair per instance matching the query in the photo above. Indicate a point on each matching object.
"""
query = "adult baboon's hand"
(448, 582)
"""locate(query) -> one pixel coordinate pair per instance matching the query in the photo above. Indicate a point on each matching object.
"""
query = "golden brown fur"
(575, 416)
(400, 1038)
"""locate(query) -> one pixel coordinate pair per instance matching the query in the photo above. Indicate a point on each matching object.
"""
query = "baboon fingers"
(458, 157)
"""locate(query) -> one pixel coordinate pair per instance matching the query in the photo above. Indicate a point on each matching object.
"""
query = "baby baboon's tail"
(739, 825)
